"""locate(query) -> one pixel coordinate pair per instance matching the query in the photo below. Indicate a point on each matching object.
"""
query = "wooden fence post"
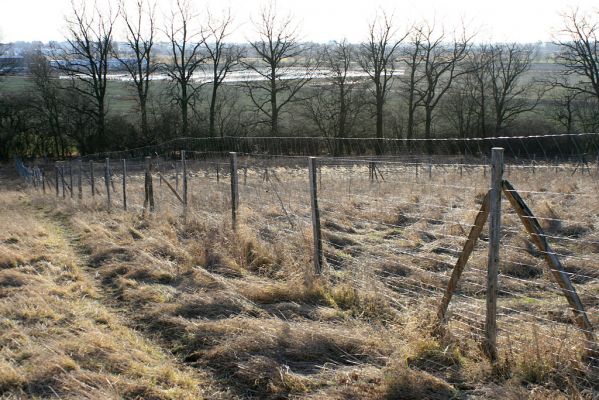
(80, 179)
(149, 190)
(107, 181)
(176, 176)
(184, 169)
(234, 189)
(316, 234)
(43, 177)
(493, 259)
(71, 178)
(124, 184)
(56, 174)
(64, 184)
(92, 180)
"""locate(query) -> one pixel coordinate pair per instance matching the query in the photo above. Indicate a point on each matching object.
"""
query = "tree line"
(421, 81)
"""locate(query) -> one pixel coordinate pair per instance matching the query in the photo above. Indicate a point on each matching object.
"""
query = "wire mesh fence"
(396, 224)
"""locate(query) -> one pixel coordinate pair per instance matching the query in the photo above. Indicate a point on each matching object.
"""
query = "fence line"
(394, 224)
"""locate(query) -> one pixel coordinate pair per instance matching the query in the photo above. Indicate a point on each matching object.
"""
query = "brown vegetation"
(101, 299)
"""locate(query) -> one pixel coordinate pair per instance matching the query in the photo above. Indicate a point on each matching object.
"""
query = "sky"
(324, 20)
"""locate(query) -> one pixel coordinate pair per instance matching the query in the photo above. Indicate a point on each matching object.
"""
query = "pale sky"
(323, 20)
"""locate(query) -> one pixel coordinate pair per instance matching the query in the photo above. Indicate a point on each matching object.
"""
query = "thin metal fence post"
(234, 189)
(124, 184)
(493, 259)
(316, 233)
(107, 181)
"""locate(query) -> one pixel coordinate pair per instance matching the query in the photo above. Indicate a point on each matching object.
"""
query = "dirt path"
(61, 334)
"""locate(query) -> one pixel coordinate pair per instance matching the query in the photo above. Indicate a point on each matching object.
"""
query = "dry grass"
(57, 339)
(244, 311)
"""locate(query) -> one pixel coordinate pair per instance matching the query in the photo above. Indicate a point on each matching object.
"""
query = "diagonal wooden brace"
(557, 270)
(475, 232)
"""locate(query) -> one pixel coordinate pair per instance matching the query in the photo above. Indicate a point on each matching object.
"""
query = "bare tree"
(579, 53)
(336, 105)
(138, 57)
(510, 96)
(47, 100)
(440, 65)
(282, 71)
(412, 77)
(186, 42)
(377, 59)
(461, 107)
(223, 56)
(85, 58)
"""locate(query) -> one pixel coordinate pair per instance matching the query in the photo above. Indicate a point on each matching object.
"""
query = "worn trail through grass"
(61, 334)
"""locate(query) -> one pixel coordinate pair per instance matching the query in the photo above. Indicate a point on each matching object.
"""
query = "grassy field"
(166, 306)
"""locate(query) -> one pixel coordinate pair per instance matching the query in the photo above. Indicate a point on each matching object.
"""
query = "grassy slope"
(221, 302)
(57, 338)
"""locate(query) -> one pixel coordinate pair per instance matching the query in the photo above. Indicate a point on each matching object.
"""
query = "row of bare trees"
(400, 82)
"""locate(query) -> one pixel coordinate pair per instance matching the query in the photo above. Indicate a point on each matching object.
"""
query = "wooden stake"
(184, 167)
(80, 179)
(92, 180)
(316, 233)
(124, 184)
(493, 259)
(107, 182)
(43, 174)
(64, 184)
(234, 189)
(71, 179)
(149, 190)
(56, 173)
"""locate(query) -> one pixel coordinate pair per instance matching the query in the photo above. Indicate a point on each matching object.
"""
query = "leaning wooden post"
(493, 259)
(80, 179)
(56, 176)
(316, 234)
(234, 189)
(475, 231)
(107, 181)
(184, 170)
(124, 184)
(555, 266)
(92, 180)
